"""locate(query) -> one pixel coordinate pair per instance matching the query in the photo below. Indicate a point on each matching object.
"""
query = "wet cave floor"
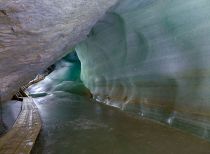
(73, 124)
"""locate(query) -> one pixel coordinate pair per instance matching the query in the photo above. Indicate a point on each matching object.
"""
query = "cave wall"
(34, 34)
(151, 58)
(64, 80)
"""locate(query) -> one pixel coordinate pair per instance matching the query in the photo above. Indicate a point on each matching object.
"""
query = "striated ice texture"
(152, 58)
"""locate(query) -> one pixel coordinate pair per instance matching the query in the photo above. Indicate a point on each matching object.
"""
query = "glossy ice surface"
(151, 57)
(72, 124)
(75, 124)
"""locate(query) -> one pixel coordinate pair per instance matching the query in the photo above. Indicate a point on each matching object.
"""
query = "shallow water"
(74, 124)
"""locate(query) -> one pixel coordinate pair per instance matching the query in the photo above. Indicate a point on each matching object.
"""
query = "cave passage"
(74, 123)
(128, 76)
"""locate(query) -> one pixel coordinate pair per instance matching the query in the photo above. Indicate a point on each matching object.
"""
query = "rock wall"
(151, 58)
(34, 34)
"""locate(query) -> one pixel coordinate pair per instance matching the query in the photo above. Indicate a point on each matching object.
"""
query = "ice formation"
(151, 57)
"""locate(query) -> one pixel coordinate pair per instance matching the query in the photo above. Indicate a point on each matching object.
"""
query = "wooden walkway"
(21, 138)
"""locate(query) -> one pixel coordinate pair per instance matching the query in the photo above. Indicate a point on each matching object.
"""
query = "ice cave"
(104, 76)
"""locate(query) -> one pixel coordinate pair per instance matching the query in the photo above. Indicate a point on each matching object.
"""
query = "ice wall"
(151, 57)
(65, 78)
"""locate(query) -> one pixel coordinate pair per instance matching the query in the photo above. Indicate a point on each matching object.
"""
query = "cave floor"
(73, 124)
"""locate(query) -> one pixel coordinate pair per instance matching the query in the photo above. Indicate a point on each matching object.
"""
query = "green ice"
(151, 58)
